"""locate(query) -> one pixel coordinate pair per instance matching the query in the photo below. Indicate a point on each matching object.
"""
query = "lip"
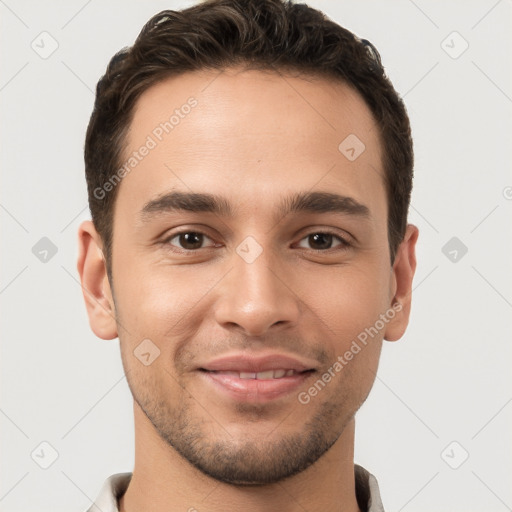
(220, 375)
(258, 363)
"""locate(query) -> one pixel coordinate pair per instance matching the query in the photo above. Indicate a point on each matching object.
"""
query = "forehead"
(251, 134)
(261, 102)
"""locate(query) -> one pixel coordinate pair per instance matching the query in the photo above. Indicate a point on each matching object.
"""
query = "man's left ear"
(403, 273)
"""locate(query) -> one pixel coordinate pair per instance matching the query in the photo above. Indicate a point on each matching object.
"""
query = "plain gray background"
(443, 392)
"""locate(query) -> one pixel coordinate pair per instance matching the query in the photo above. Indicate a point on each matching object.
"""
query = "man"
(249, 169)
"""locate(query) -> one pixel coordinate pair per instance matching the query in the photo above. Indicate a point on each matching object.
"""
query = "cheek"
(160, 302)
(349, 308)
(348, 301)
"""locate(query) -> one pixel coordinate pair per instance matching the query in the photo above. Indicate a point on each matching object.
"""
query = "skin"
(253, 138)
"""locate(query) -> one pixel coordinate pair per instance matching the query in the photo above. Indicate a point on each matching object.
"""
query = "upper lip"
(244, 362)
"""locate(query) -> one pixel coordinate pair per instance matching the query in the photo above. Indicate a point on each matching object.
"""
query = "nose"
(255, 297)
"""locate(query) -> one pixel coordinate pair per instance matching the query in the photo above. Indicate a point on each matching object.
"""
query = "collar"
(367, 492)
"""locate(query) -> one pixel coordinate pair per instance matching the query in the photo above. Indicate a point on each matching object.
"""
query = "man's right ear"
(91, 266)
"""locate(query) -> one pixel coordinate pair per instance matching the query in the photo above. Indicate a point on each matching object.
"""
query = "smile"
(269, 374)
(255, 387)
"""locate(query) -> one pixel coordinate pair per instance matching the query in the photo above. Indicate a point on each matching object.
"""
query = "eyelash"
(344, 245)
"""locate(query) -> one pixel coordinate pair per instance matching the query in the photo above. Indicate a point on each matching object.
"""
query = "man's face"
(243, 287)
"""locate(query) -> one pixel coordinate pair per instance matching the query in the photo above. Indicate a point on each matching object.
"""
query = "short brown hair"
(261, 34)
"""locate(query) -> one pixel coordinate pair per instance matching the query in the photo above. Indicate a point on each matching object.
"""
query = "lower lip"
(255, 390)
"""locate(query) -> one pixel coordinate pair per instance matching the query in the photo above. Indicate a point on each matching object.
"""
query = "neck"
(163, 481)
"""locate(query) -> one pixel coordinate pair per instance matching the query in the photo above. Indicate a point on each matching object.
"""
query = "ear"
(96, 290)
(401, 290)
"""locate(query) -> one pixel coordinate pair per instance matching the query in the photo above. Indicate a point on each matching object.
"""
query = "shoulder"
(367, 490)
(113, 488)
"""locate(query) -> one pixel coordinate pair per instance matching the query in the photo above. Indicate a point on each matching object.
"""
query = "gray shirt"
(367, 492)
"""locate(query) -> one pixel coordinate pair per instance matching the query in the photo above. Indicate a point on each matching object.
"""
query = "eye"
(188, 240)
(195, 240)
(323, 241)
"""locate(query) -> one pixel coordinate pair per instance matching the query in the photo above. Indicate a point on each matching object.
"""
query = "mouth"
(256, 387)
(263, 375)
(256, 379)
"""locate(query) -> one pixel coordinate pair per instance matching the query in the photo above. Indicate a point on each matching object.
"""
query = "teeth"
(268, 374)
(247, 375)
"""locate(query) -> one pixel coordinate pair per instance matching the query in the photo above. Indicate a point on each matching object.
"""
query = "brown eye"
(322, 241)
(188, 240)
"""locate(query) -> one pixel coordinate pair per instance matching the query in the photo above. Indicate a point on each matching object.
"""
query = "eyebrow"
(312, 202)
